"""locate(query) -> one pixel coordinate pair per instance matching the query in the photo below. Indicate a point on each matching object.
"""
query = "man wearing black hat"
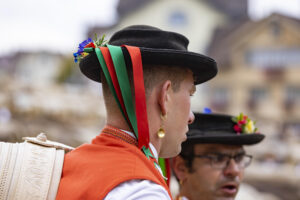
(212, 161)
(147, 76)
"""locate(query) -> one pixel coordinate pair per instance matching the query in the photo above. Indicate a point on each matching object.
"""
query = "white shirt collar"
(150, 145)
(154, 151)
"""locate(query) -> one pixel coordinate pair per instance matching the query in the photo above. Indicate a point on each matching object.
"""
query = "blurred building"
(259, 67)
(45, 92)
(39, 68)
(196, 19)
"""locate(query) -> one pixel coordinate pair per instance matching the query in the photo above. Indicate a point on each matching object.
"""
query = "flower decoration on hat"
(97, 42)
(244, 124)
(207, 110)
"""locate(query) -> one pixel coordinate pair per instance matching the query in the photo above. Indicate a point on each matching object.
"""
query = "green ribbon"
(122, 75)
(162, 165)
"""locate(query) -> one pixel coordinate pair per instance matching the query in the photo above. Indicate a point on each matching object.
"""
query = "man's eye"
(219, 158)
(238, 158)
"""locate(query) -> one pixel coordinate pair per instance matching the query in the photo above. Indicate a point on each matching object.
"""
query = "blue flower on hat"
(81, 49)
(86, 44)
(83, 44)
(207, 110)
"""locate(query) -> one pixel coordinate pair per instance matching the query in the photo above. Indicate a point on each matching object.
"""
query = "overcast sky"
(54, 24)
(60, 24)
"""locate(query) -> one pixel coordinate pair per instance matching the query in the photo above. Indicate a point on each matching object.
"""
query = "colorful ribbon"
(113, 65)
(115, 83)
(122, 76)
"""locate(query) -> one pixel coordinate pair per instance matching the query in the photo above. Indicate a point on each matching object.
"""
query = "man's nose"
(191, 117)
(232, 169)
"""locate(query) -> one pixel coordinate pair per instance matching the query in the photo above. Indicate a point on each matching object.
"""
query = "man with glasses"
(212, 161)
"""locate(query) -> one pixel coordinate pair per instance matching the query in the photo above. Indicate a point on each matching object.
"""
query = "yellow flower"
(84, 54)
(250, 127)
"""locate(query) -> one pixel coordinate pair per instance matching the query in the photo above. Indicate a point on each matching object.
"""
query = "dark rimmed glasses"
(221, 161)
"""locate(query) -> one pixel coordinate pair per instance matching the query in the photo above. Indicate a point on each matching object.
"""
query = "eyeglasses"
(221, 161)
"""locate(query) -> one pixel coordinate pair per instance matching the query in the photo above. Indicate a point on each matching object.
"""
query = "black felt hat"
(219, 129)
(157, 47)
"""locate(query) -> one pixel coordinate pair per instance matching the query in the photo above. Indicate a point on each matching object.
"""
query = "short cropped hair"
(187, 154)
(153, 75)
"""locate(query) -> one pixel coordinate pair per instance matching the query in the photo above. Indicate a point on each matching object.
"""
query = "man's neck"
(119, 122)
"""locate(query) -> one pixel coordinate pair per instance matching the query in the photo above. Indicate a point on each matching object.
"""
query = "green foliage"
(99, 42)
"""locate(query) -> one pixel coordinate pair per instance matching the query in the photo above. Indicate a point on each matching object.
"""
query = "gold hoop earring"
(161, 131)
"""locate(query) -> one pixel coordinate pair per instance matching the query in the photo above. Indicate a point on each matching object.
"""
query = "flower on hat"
(207, 110)
(250, 127)
(244, 124)
(87, 44)
(237, 128)
(80, 52)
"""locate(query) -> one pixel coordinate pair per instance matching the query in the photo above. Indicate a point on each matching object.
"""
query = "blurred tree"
(66, 70)
(69, 72)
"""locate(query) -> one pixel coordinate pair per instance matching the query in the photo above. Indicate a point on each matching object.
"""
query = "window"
(220, 98)
(257, 95)
(291, 130)
(275, 28)
(273, 58)
(178, 18)
(292, 96)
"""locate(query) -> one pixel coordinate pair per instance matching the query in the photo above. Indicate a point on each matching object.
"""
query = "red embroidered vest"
(91, 171)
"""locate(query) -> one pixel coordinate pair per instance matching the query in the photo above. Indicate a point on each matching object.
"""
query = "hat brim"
(195, 136)
(203, 67)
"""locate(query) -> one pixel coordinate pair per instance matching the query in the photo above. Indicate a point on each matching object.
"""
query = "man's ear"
(179, 167)
(164, 97)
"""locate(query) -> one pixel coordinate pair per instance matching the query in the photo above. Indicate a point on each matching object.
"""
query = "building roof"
(234, 9)
(128, 6)
(230, 34)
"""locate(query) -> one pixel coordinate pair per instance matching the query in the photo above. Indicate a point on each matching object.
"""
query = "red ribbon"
(140, 97)
(168, 171)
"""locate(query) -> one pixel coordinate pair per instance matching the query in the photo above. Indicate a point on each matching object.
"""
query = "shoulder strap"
(30, 170)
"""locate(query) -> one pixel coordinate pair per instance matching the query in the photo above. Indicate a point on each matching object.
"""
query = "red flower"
(91, 44)
(237, 128)
(242, 121)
